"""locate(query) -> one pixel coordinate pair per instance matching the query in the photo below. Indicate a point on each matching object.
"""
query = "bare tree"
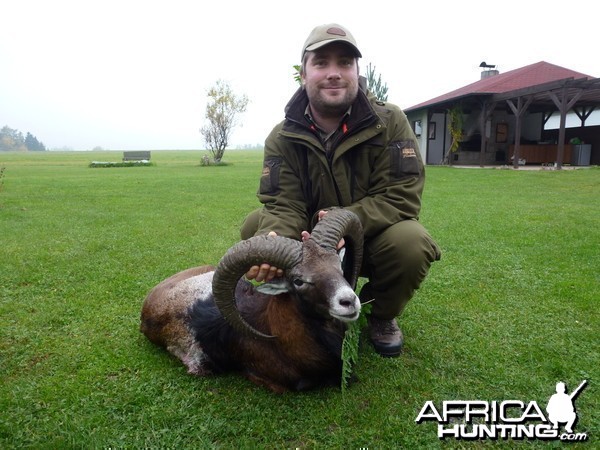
(221, 114)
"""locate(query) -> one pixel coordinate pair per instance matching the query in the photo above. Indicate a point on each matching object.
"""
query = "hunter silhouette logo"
(560, 406)
(508, 419)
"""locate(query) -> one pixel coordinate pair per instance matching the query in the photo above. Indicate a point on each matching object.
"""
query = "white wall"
(421, 117)
(572, 120)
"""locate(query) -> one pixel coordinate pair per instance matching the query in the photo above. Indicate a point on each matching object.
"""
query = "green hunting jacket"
(374, 169)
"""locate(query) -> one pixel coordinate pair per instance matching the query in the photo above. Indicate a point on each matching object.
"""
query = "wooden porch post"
(486, 111)
(563, 105)
(518, 111)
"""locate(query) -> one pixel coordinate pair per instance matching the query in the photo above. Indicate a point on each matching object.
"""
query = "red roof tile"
(532, 75)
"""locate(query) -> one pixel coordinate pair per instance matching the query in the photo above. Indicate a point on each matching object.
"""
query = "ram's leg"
(193, 357)
(269, 384)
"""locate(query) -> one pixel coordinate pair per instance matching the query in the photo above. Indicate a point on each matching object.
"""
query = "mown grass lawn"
(510, 310)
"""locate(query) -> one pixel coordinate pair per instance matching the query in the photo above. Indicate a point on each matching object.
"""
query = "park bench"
(143, 155)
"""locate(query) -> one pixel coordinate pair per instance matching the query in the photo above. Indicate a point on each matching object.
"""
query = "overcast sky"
(124, 74)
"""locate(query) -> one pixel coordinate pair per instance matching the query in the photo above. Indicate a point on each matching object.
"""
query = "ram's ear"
(274, 287)
(342, 253)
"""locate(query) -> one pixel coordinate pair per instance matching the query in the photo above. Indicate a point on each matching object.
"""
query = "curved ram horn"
(278, 251)
(341, 223)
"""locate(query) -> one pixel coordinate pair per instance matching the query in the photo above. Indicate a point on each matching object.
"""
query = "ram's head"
(314, 272)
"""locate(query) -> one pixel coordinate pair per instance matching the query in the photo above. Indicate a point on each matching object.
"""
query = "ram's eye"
(298, 282)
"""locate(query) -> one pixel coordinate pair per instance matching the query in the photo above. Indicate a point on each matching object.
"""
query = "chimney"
(489, 70)
(489, 73)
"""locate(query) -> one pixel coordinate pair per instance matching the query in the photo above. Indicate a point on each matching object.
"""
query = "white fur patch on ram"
(198, 288)
(345, 304)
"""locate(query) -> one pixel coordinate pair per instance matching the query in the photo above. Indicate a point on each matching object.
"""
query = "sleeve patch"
(403, 159)
(269, 179)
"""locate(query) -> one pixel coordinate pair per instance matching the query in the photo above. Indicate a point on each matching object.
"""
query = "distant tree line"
(13, 140)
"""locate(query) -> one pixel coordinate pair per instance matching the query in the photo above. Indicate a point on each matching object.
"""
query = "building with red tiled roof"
(516, 103)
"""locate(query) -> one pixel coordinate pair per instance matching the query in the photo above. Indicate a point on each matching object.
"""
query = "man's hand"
(264, 272)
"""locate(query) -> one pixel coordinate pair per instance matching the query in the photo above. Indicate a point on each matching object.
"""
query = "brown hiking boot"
(386, 336)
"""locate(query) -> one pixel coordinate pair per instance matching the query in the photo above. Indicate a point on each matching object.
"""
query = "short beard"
(329, 109)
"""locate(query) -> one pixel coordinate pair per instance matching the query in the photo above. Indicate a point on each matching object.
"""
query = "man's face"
(330, 77)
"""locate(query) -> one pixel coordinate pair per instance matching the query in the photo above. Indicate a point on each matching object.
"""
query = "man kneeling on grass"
(338, 146)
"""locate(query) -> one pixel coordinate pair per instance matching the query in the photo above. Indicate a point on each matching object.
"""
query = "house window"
(431, 130)
(417, 128)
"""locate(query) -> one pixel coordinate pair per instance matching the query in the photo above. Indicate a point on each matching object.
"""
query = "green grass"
(511, 309)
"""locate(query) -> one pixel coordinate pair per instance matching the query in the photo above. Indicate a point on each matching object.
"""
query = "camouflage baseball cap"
(327, 34)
